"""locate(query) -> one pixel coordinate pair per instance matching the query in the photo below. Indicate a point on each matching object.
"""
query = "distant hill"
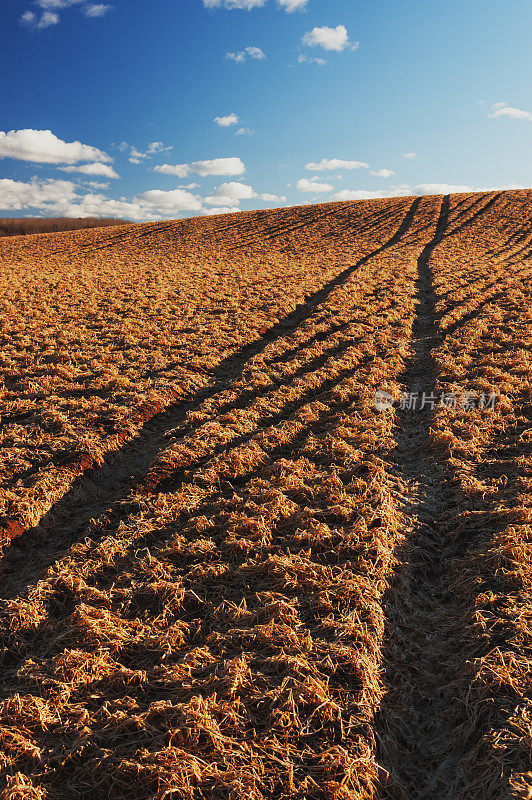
(21, 227)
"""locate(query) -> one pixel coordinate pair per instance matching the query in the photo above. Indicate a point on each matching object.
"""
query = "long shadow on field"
(421, 636)
(27, 557)
(430, 744)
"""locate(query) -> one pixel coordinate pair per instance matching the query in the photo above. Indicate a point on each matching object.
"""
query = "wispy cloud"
(248, 52)
(332, 164)
(382, 173)
(293, 5)
(137, 156)
(405, 190)
(48, 15)
(97, 10)
(101, 170)
(410, 155)
(304, 59)
(248, 5)
(504, 110)
(47, 19)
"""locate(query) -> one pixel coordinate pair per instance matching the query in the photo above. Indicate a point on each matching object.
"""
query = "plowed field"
(226, 572)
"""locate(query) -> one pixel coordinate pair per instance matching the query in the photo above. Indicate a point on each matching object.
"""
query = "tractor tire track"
(95, 490)
(422, 639)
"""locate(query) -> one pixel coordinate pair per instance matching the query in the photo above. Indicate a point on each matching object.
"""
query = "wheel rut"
(421, 641)
(109, 486)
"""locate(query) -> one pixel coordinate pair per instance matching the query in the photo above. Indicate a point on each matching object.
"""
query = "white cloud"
(136, 156)
(313, 185)
(248, 52)
(405, 190)
(247, 5)
(28, 18)
(209, 212)
(170, 202)
(504, 110)
(215, 166)
(334, 39)
(45, 148)
(181, 170)
(304, 59)
(334, 164)
(441, 188)
(97, 10)
(410, 155)
(103, 170)
(272, 198)
(244, 132)
(46, 4)
(232, 192)
(97, 185)
(46, 20)
(49, 8)
(61, 198)
(227, 121)
(363, 194)
(46, 195)
(292, 5)
(382, 173)
(189, 186)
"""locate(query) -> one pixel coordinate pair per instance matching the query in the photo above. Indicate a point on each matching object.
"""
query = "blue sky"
(320, 100)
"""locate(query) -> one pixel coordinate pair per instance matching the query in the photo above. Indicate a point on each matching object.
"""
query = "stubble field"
(225, 574)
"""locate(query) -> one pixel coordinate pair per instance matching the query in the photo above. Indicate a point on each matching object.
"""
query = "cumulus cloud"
(44, 147)
(244, 132)
(382, 173)
(47, 195)
(410, 155)
(215, 166)
(103, 170)
(169, 202)
(227, 121)
(332, 164)
(333, 39)
(61, 198)
(232, 192)
(248, 52)
(313, 185)
(504, 110)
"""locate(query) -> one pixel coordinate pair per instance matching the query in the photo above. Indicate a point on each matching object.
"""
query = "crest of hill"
(268, 229)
